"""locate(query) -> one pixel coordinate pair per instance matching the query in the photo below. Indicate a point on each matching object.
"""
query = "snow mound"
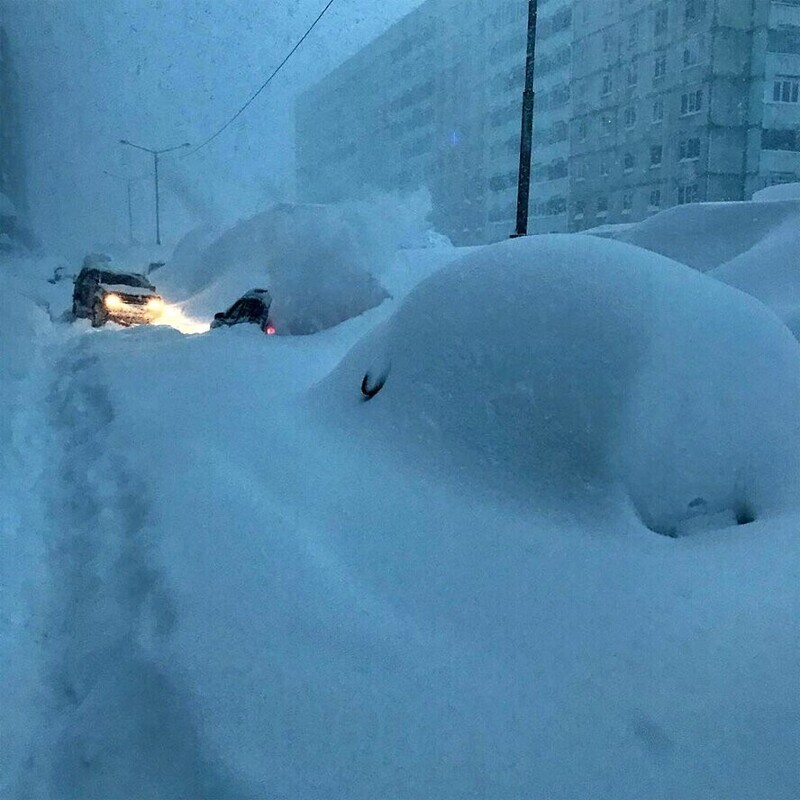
(312, 259)
(781, 191)
(707, 235)
(568, 363)
(770, 271)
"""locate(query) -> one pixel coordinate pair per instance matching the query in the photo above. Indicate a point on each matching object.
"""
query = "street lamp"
(526, 136)
(156, 154)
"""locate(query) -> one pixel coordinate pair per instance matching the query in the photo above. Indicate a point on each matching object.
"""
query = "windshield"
(121, 279)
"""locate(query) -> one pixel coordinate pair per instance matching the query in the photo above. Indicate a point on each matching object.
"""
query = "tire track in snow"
(121, 727)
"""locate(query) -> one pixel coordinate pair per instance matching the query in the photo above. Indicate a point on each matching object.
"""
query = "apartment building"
(408, 111)
(680, 102)
(12, 174)
(640, 105)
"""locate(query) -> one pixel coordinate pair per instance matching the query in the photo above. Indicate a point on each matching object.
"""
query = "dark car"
(127, 298)
(252, 307)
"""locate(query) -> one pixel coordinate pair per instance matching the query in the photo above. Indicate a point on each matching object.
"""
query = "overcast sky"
(161, 72)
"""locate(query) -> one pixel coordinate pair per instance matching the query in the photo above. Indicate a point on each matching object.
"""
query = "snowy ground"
(226, 575)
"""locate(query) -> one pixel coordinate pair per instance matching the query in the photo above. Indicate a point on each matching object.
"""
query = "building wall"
(640, 105)
(12, 173)
(776, 141)
(408, 111)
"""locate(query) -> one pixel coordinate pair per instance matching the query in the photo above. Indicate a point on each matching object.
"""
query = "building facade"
(12, 173)
(680, 102)
(640, 105)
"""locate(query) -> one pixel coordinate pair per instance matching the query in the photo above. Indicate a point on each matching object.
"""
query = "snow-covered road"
(121, 725)
(220, 586)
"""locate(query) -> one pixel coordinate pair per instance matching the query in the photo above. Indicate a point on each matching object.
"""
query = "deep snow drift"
(707, 235)
(240, 578)
(322, 264)
(560, 362)
(752, 246)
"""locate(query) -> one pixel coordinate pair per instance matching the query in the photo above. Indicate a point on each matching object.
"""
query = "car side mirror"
(219, 315)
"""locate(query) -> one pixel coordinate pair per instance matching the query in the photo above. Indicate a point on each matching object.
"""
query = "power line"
(266, 82)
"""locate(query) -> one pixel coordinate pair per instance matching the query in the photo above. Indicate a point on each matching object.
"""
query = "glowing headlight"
(155, 305)
(113, 301)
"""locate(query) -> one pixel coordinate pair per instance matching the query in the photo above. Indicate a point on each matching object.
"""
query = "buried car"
(127, 298)
(252, 307)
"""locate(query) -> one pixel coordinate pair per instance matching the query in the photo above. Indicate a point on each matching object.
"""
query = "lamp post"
(526, 135)
(156, 154)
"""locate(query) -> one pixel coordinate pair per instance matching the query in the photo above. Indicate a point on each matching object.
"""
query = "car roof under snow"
(124, 288)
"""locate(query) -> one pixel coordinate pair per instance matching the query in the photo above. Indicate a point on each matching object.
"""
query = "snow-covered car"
(252, 308)
(127, 298)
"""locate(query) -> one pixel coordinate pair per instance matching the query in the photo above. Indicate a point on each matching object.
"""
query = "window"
(786, 89)
(689, 149)
(655, 198)
(776, 139)
(557, 169)
(688, 194)
(633, 34)
(658, 111)
(627, 202)
(628, 162)
(662, 20)
(694, 10)
(691, 52)
(580, 209)
(776, 178)
(660, 66)
(583, 130)
(605, 170)
(692, 102)
(602, 206)
(784, 40)
(630, 117)
(633, 73)
(608, 84)
(607, 125)
(656, 155)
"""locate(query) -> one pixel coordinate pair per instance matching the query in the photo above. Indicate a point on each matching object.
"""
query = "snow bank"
(751, 246)
(770, 271)
(260, 584)
(355, 613)
(781, 191)
(309, 257)
(566, 362)
(23, 327)
(706, 235)
(323, 264)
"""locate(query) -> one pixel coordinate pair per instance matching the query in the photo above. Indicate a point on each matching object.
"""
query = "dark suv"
(252, 307)
(126, 298)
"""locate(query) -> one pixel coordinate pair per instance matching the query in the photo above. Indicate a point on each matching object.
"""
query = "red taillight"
(269, 330)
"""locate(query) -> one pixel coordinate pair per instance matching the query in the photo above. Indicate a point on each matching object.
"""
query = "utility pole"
(156, 154)
(526, 135)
